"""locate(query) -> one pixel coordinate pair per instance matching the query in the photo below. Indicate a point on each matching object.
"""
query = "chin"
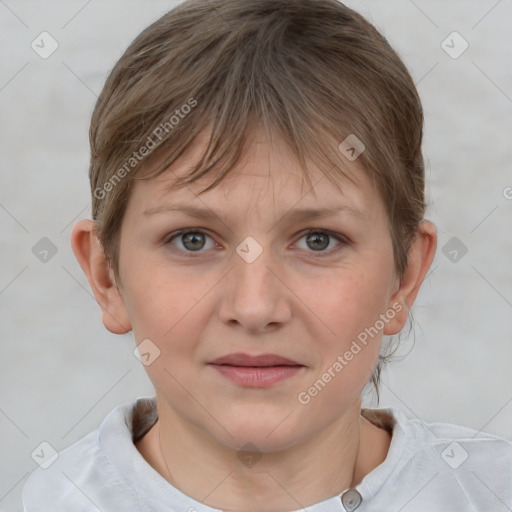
(268, 433)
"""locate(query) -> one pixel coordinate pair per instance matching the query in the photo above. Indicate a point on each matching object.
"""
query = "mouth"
(256, 371)
(259, 361)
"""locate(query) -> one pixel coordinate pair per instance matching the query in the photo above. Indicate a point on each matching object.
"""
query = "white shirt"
(429, 468)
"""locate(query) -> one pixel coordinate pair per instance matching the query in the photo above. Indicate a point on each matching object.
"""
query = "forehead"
(267, 172)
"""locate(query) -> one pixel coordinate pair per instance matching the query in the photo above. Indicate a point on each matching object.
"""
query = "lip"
(263, 360)
(256, 371)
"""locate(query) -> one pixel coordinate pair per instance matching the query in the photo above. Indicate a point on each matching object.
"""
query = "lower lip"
(257, 377)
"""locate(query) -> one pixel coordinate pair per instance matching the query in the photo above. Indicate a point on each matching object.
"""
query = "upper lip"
(240, 359)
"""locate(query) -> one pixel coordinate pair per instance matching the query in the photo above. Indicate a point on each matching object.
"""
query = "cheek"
(157, 303)
(348, 338)
(346, 303)
(347, 354)
(172, 309)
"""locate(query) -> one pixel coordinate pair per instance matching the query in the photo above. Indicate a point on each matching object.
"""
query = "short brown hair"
(316, 71)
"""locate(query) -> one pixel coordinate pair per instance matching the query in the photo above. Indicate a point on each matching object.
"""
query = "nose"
(255, 294)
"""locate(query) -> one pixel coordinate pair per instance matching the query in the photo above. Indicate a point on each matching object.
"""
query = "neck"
(293, 478)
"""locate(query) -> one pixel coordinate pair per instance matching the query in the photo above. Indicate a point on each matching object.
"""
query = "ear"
(420, 257)
(89, 253)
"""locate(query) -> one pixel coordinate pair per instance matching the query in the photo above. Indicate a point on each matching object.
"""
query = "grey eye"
(317, 241)
(191, 241)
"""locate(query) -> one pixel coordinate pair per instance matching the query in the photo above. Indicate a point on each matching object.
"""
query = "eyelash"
(191, 254)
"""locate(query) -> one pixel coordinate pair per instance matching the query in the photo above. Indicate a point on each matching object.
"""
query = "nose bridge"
(255, 296)
(253, 261)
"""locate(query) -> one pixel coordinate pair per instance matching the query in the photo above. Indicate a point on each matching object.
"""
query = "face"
(248, 278)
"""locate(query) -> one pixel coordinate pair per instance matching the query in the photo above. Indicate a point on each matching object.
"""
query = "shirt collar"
(129, 422)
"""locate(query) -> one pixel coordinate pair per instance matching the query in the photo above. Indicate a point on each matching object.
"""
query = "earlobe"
(90, 256)
(421, 255)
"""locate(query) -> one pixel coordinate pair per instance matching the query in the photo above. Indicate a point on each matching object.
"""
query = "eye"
(190, 242)
(318, 240)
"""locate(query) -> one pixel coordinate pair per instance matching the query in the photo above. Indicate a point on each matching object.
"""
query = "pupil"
(315, 237)
(193, 238)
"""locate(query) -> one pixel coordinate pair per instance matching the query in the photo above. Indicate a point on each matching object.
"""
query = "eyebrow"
(294, 215)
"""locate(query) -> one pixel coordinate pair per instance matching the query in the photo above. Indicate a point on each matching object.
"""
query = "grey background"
(62, 372)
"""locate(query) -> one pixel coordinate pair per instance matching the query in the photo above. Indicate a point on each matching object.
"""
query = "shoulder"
(421, 434)
(77, 479)
(445, 464)
(48, 488)
(455, 444)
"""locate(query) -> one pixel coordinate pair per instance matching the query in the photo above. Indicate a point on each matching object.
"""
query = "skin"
(290, 301)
